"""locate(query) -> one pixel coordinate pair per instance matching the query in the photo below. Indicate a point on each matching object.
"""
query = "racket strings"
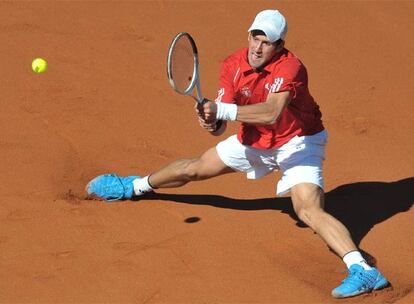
(182, 65)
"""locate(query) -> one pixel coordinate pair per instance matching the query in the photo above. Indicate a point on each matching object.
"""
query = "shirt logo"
(275, 87)
(220, 95)
(245, 91)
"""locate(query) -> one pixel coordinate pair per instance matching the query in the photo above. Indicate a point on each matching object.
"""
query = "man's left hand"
(209, 110)
(207, 115)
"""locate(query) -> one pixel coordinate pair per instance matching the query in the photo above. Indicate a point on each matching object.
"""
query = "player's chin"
(256, 63)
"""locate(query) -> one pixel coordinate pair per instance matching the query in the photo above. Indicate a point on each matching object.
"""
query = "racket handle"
(203, 101)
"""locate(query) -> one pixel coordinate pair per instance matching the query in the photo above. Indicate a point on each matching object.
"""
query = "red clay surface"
(105, 105)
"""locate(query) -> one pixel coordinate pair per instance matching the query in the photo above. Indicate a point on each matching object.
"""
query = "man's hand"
(209, 110)
(211, 127)
(207, 115)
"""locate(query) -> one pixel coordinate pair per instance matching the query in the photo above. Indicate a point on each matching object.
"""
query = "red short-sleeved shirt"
(241, 84)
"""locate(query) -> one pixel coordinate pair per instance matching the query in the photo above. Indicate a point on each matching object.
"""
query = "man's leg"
(180, 172)
(308, 203)
(112, 187)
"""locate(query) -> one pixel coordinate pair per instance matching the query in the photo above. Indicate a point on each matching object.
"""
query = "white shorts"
(299, 160)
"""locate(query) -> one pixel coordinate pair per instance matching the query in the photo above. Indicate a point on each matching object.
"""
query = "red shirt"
(241, 84)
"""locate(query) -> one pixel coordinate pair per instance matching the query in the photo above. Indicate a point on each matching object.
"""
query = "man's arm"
(265, 113)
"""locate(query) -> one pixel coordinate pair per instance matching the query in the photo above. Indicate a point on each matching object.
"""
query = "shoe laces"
(363, 278)
(123, 192)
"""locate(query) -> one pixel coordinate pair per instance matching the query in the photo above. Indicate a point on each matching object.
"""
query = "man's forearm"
(264, 113)
(261, 113)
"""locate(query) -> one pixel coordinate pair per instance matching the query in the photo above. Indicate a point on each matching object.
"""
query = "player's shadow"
(359, 206)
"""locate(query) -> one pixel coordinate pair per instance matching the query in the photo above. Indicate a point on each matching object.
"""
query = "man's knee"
(308, 201)
(207, 166)
(187, 169)
(309, 215)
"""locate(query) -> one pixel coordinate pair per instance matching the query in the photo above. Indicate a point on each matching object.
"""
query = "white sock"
(142, 186)
(355, 257)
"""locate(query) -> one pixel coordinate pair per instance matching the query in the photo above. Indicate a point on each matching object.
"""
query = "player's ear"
(249, 36)
(280, 45)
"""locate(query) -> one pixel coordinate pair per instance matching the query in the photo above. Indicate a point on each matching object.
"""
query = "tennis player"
(265, 88)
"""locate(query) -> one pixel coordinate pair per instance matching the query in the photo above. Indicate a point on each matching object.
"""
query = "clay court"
(105, 105)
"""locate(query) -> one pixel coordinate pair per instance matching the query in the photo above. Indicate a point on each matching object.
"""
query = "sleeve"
(226, 86)
(290, 76)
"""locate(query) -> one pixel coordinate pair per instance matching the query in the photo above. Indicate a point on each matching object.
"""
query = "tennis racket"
(182, 67)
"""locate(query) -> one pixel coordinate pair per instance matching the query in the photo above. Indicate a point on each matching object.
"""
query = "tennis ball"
(39, 65)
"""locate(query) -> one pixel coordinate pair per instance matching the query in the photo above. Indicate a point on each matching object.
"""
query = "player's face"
(261, 50)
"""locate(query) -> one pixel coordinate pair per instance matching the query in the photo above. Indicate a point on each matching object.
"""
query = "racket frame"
(195, 81)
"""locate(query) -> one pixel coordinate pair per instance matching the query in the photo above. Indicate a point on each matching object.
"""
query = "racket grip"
(219, 123)
(203, 101)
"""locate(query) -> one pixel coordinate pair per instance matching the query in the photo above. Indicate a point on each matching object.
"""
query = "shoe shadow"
(359, 206)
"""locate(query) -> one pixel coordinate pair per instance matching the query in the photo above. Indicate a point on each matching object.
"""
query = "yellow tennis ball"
(39, 65)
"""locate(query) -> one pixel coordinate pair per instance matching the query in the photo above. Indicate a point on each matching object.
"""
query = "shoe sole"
(92, 197)
(381, 284)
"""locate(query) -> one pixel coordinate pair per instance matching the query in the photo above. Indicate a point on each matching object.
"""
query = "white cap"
(272, 23)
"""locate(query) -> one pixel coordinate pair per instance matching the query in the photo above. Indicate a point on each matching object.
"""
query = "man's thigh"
(209, 165)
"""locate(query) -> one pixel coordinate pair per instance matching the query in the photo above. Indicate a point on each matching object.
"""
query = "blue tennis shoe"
(111, 187)
(360, 281)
